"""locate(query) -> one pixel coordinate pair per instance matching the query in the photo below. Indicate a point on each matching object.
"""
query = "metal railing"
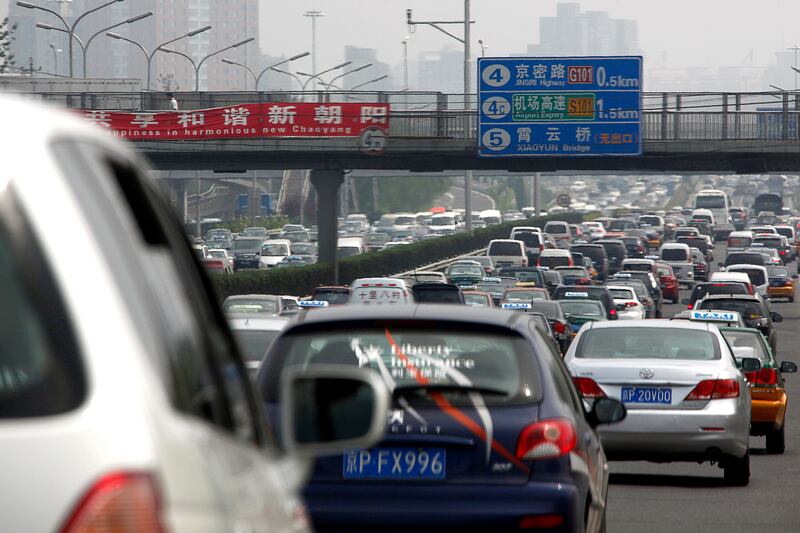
(758, 116)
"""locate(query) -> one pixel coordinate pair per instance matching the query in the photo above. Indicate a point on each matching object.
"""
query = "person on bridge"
(173, 103)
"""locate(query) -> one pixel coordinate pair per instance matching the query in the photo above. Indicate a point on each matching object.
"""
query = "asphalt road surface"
(687, 497)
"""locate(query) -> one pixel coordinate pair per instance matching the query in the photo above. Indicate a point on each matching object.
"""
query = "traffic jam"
(518, 375)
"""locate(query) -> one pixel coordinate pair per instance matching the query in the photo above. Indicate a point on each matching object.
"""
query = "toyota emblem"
(646, 373)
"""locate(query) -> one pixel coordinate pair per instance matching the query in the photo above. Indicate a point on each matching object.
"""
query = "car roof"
(252, 297)
(748, 297)
(423, 312)
(252, 321)
(649, 323)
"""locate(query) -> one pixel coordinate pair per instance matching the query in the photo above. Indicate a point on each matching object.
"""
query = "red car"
(669, 283)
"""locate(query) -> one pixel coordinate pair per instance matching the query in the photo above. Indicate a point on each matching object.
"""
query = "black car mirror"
(327, 409)
(607, 411)
(788, 367)
(621, 307)
(795, 276)
(686, 301)
(776, 317)
(750, 364)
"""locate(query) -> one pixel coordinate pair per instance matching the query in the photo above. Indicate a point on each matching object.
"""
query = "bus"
(716, 202)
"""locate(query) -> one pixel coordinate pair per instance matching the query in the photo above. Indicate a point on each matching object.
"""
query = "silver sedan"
(686, 398)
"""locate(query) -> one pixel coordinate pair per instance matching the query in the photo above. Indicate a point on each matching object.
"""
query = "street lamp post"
(437, 24)
(131, 20)
(314, 15)
(343, 74)
(212, 54)
(795, 48)
(70, 29)
(376, 80)
(55, 57)
(151, 54)
(48, 27)
(483, 47)
(248, 69)
(405, 62)
(264, 71)
(297, 79)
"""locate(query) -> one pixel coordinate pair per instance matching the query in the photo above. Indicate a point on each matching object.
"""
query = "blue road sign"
(560, 106)
(241, 204)
(266, 204)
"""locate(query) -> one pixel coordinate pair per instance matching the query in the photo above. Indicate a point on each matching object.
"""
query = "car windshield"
(476, 300)
(786, 232)
(246, 244)
(254, 343)
(746, 344)
(674, 254)
(414, 359)
(778, 272)
(582, 308)
(530, 239)
(573, 272)
(405, 220)
(756, 275)
(465, 270)
(505, 248)
(379, 238)
(739, 242)
(621, 294)
(556, 229)
(217, 254)
(701, 291)
(274, 250)
(673, 343)
(524, 296)
(332, 297)
(251, 306)
(749, 310)
(303, 249)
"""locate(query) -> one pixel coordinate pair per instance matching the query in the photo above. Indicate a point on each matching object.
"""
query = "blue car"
(486, 430)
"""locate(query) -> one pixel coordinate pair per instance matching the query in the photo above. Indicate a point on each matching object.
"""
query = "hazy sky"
(686, 32)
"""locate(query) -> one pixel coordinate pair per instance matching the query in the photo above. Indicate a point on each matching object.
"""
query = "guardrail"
(760, 116)
(439, 265)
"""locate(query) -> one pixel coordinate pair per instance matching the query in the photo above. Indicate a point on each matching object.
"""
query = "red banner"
(273, 119)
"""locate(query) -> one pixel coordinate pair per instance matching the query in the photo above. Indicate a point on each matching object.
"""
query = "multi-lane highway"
(683, 497)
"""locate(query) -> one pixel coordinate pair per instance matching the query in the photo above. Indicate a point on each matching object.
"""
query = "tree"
(6, 38)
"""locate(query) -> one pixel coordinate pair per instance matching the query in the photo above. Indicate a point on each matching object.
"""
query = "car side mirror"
(795, 276)
(686, 301)
(788, 367)
(329, 408)
(750, 364)
(776, 317)
(606, 411)
(621, 307)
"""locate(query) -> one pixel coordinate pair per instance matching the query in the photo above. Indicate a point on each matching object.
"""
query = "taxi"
(767, 388)
(718, 317)
(782, 284)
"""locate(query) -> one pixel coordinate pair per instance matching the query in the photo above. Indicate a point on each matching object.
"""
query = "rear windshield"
(528, 276)
(524, 296)
(505, 248)
(622, 294)
(378, 296)
(614, 249)
(531, 239)
(652, 221)
(335, 298)
(251, 306)
(696, 242)
(557, 228)
(674, 254)
(583, 308)
(553, 261)
(778, 272)
(247, 244)
(416, 359)
(573, 272)
(465, 270)
(637, 267)
(254, 343)
(597, 253)
(648, 343)
(702, 290)
(739, 242)
(786, 232)
(476, 300)
(436, 295)
(748, 309)
(746, 344)
(770, 242)
(756, 275)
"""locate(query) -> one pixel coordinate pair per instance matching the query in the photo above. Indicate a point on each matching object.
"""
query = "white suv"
(123, 399)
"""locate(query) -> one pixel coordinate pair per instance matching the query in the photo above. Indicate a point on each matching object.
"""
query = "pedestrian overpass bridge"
(431, 132)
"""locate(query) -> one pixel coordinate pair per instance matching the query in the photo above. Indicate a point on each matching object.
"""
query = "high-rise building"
(232, 21)
(572, 32)
(441, 71)
(361, 57)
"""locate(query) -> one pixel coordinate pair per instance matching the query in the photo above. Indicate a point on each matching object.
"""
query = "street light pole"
(314, 15)
(795, 48)
(43, 26)
(212, 54)
(70, 29)
(138, 45)
(131, 20)
(279, 63)
(55, 57)
(437, 24)
(157, 48)
(343, 74)
(248, 69)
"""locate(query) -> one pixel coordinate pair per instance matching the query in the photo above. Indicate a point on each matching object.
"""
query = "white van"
(739, 240)
(679, 257)
(506, 252)
(273, 252)
(722, 277)
(554, 258)
(758, 276)
(704, 214)
(560, 232)
(491, 217)
(380, 291)
(349, 246)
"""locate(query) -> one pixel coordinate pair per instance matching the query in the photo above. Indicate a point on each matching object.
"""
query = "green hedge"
(301, 281)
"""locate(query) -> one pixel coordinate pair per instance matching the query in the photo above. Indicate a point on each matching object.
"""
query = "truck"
(768, 202)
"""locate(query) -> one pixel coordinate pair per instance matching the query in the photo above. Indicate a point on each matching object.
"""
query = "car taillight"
(612, 312)
(690, 306)
(559, 327)
(767, 376)
(120, 502)
(546, 440)
(214, 264)
(541, 247)
(630, 304)
(714, 389)
(584, 281)
(589, 388)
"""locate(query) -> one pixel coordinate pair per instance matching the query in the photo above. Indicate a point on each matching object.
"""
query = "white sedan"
(629, 306)
(686, 398)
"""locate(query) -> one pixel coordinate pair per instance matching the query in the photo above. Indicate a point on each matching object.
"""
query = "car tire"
(737, 470)
(776, 441)
(791, 299)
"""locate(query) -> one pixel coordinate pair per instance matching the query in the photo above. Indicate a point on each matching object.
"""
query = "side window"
(208, 377)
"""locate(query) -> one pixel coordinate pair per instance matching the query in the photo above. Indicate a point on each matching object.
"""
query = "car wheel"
(791, 298)
(776, 441)
(737, 470)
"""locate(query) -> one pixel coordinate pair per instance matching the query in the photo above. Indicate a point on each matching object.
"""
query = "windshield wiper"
(446, 387)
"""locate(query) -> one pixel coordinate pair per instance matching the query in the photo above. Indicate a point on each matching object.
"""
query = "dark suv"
(616, 252)
(601, 294)
(597, 253)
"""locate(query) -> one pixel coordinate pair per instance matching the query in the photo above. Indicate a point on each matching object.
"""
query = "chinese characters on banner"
(273, 119)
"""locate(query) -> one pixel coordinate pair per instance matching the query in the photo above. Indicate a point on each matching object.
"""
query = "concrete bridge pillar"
(327, 184)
